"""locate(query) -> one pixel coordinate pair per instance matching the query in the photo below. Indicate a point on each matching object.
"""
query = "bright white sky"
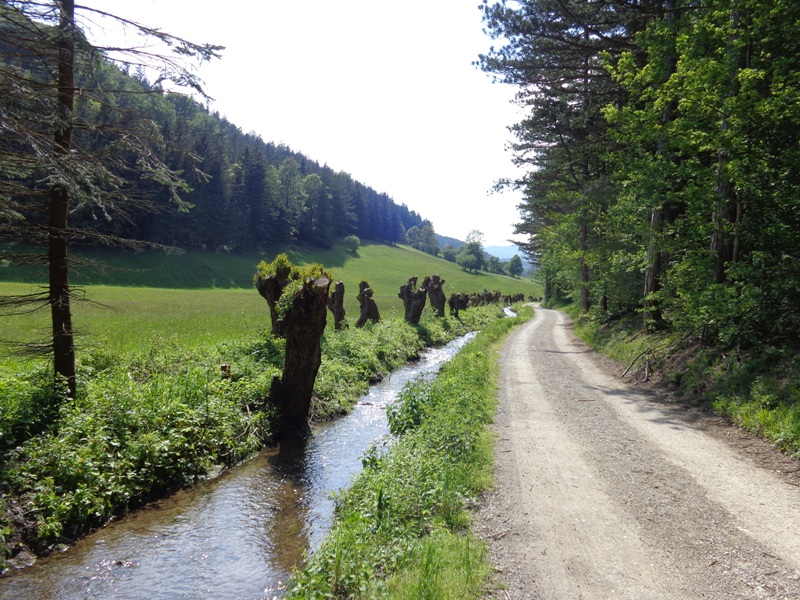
(382, 89)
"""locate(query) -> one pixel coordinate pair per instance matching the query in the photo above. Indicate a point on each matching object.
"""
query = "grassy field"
(385, 267)
(198, 298)
(127, 319)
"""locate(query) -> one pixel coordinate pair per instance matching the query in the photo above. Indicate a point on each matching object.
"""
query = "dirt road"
(606, 491)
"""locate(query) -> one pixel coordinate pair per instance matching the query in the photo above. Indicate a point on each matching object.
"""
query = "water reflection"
(237, 536)
(286, 527)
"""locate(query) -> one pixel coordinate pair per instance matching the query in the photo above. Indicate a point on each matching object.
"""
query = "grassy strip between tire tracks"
(150, 421)
(402, 529)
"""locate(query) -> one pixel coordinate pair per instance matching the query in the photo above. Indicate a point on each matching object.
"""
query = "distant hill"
(448, 241)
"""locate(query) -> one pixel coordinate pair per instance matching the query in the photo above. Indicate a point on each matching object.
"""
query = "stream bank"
(236, 536)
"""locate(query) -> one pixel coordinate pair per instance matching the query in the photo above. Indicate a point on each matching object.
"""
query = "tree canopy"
(471, 256)
(661, 141)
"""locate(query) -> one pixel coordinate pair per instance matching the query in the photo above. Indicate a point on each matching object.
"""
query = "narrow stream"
(236, 536)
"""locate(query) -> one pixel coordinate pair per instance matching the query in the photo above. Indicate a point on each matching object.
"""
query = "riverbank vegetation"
(402, 529)
(159, 413)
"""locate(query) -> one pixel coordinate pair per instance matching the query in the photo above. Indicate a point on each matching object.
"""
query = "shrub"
(351, 244)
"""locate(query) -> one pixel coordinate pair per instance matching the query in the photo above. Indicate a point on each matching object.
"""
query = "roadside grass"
(761, 393)
(402, 529)
(758, 389)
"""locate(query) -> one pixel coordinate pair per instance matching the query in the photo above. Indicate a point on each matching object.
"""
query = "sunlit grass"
(127, 319)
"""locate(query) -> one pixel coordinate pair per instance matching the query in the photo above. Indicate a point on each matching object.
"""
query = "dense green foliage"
(423, 238)
(515, 266)
(471, 256)
(142, 424)
(401, 530)
(662, 144)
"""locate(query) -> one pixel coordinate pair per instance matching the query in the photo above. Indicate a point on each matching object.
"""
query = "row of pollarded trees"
(298, 299)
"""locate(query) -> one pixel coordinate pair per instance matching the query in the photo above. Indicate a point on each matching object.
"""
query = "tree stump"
(436, 294)
(457, 302)
(413, 300)
(336, 305)
(369, 310)
(303, 324)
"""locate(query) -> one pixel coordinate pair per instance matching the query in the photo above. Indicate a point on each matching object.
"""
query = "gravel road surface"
(606, 490)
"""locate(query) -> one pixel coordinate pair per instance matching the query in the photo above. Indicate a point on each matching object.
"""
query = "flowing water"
(236, 536)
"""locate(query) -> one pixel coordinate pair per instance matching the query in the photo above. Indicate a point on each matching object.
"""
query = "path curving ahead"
(603, 490)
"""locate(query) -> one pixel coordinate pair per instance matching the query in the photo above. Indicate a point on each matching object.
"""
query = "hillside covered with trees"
(237, 192)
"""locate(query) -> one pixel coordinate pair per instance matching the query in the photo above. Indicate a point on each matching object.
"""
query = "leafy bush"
(28, 405)
(136, 430)
(351, 244)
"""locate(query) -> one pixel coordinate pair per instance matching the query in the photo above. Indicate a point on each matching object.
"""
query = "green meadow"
(129, 300)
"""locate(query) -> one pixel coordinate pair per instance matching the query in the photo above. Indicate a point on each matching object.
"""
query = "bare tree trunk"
(369, 309)
(584, 268)
(436, 295)
(413, 300)
(727, 207)
(336, 305)
(57, 250)
(653, 319)
(652, 283)
(304, 325)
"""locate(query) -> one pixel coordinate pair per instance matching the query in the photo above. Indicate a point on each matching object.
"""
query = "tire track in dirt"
(606, 491)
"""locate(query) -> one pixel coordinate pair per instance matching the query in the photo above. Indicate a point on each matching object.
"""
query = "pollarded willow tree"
(298, 298)
(70, 145)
